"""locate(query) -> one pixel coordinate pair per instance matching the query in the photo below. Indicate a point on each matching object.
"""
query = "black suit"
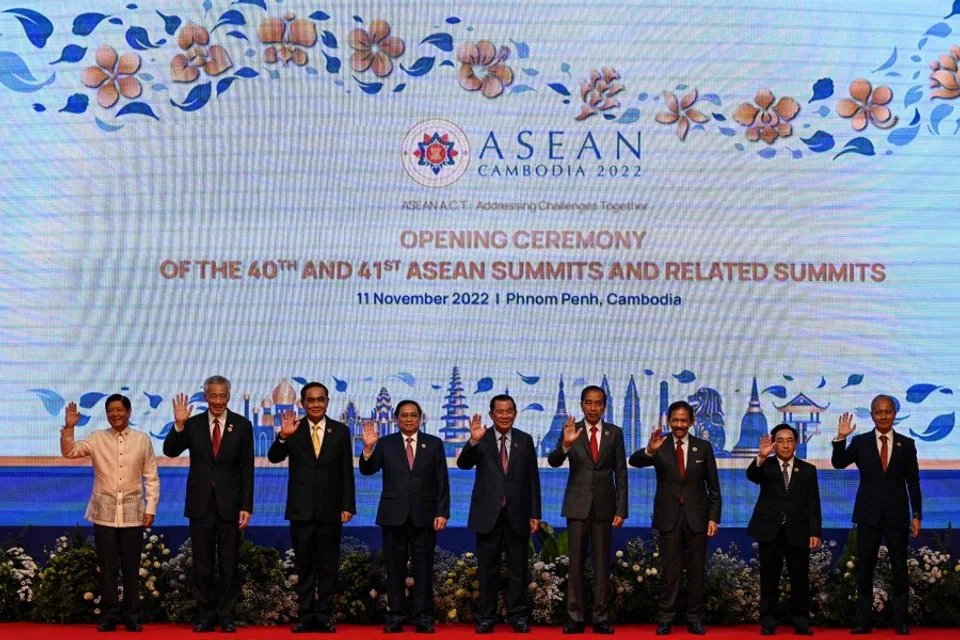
(409, 502)
(682, 508)
(783, 522)
(501, 507)
(318, 490)
(218, 489)
(595, 493)
(881, 511)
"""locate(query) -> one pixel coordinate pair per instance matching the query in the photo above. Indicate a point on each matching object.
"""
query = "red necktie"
(410, 452)
(681, 463)
(884, 454)
(216, 438)
(503, 453)
(594, 448)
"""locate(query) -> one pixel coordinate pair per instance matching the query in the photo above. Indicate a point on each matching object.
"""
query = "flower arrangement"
(154, 556)
(69, 589)
(18, 575)
(359, 584)
(455, 587)
(636, 581)
(732, 588)
(265, 596)
(176, 581)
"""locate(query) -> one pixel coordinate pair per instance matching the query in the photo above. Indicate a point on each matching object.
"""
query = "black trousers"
(118, 549)
(216, 542)
(599, 534)
(317, 549)
(683, 548)
(490, 546)
(868, 543)
(416, 544)
(772, 556)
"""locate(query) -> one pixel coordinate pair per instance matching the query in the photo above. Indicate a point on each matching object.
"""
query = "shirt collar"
(222, 418)
(116, 434)
(685, 440)
(589, 426)
(413, 435)
(889, 434)
(321, 424)
(508, 433)
(789, 462)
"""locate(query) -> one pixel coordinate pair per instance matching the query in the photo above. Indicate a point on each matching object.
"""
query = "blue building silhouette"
(455, 431)
(632, 427)
(753, 426)
(556, 425)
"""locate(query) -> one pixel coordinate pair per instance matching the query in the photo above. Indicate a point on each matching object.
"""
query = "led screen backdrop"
(752, 206)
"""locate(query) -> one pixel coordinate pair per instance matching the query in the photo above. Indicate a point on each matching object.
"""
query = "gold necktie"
(316, 440)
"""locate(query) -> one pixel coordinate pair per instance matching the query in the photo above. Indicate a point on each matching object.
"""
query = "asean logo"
(435, 153)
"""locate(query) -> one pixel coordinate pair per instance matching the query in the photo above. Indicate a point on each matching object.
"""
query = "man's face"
(593, 406)
(784, 444)
(217, 397)
(118, 415)
(503, 415)
(315, 403)
(408, 418)
(883, 413)
(680, 421)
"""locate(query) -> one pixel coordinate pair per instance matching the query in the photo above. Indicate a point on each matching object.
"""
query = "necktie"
(410, 452)
(884, 453)
(594, 448)
(681, 463)
(316, 440)
(503, 453)
(216, 438)
(786, 485)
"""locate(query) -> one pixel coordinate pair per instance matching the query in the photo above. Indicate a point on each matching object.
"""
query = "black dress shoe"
(228, 627)
(325, 627)
(663, 629)
(803, 631)
(573, 627)
(301, 627)
(133, 626)
(696, 628)
(902, 630)
(860, 630)
(603, 628)
(107, 626)
(521, 626)
(393, 627)
(425, 627)
(768, 631)
(485, 627)
(203, 627)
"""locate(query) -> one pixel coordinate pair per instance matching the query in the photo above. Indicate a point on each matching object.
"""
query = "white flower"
(639, 578)
(620, 554)
(544, 576)
(468, 555)
(155, 594)
(148, 547)
(849, 564)
(532, 586)
(636, 568)
(143, 572)
(166, 552)
(373, 593)
(156, 565)
(96, 611)
(538, 566)
(832, 543)
(653, 571)
(648, 572)
(409, 582)
(619, 590)
(656, 554)
(153, 538)
(88, 596)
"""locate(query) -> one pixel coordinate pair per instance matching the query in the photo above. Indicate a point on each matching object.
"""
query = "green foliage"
(69, 589)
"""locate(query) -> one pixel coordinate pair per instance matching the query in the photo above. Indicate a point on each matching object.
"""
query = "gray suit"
(596, 492)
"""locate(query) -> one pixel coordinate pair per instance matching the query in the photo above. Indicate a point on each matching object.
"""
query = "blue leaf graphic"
(565, 68)
(358, 19)
(90, 399)
(922, 43)
(719, 117)
(938, 429)
(903, 136)
(685, 376)
(319, 15)
(712, 98)
(52, 401)
(892, 60)
(369, 87)
(939, 30)
(853, 380)
(788, 378)
(954, 11)
(311, 71)
(224, 84)
(529, 379)
(648, 372)
(559, 88)
(579, 382)
(484, 384)
(523, 50)
(197, 397)
(341, 385)
(739, 147)
(239, 35)
(39, 108)
(146, 76)
(447, 63)
(521, 88)
(163, 432)
(15, 75)
(727, 131)
(84, 419)
(77, 103)
(916, 117)
(767, 153)
(919, 392)
(946, 391)
(629, 116)
(36, 25)
(913, 96)
(232, 17)
(862, 412)
(85, 23)
(400, 87)
(333, 63)
(197, 97)
(421, 67)
(823, 383)
(822, 89)
(170, 23)
(246, 72)
(442, 41)
(861, 146)
(533, 406)
(777, 390)
(138, 108)
(824, 111)
(796, 154)
(299, 380)
(139, 39)
(436, 386)
(329, 40)
(116, 21)
(606, 116)
(819, 142)
(940, 112)
(154, 400)
(257, 3)
(105, 126)
(453, 20)
(531, 71)
(406, 378)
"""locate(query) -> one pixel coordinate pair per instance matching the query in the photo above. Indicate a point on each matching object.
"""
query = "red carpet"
(20, 631)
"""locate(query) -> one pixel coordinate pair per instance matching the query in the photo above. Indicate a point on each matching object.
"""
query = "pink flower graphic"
(770, 121)
(288, 36)
(944, 79)
(482, 68)
(867, 106)
(681, 112)
(185, 67)
(597, 92)
(373, 49)
(113, 75)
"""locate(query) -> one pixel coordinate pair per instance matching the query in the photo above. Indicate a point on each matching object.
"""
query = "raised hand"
(72, 416)
(181, 409)
(476, 428)
(656, 440)
(766, 446)
(288, 424)
(846, 426)
(370, 435)
(570, 432)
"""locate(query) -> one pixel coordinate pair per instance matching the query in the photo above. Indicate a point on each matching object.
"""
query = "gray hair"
(215, 380)
(883, 396)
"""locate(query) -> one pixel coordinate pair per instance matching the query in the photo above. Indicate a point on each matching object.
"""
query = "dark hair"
(403, 403)
(588, 389)
(118, 397)
(883, 396)
(781, 427)
(312, 385)
(680, 404)
(502, 398)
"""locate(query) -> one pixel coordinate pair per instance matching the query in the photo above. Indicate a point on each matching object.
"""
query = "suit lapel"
(493, 444)
(605, 435)
(584, 440)
(875, 450)
(207, 436)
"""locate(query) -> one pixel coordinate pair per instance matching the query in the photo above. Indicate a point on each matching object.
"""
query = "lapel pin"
(329, 430)
(899, 444)
(423, 445)
(607, 432)
(796, 469)
(515, 445)
(229, 428)
(694, 448)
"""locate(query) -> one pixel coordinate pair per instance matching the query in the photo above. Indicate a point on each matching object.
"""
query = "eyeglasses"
(503, 413)
(316, 401)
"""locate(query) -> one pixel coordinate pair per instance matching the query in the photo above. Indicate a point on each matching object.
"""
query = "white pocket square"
(698, 461)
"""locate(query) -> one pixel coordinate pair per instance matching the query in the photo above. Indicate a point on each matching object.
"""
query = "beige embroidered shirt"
(120, 460)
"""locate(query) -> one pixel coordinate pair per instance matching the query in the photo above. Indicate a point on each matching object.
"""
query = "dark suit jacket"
(318, 489)
(520, 485)
(230, 473)
(602, 485)
(700, 487)
(882, 497)
(421, 493)
(801, 503)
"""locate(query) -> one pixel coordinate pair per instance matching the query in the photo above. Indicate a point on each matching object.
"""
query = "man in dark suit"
(414, 505)
(219, 498)
(686, 510)
(888, 466)
(504, 510)
(320, 500)
(786, 524)
(594, 502)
